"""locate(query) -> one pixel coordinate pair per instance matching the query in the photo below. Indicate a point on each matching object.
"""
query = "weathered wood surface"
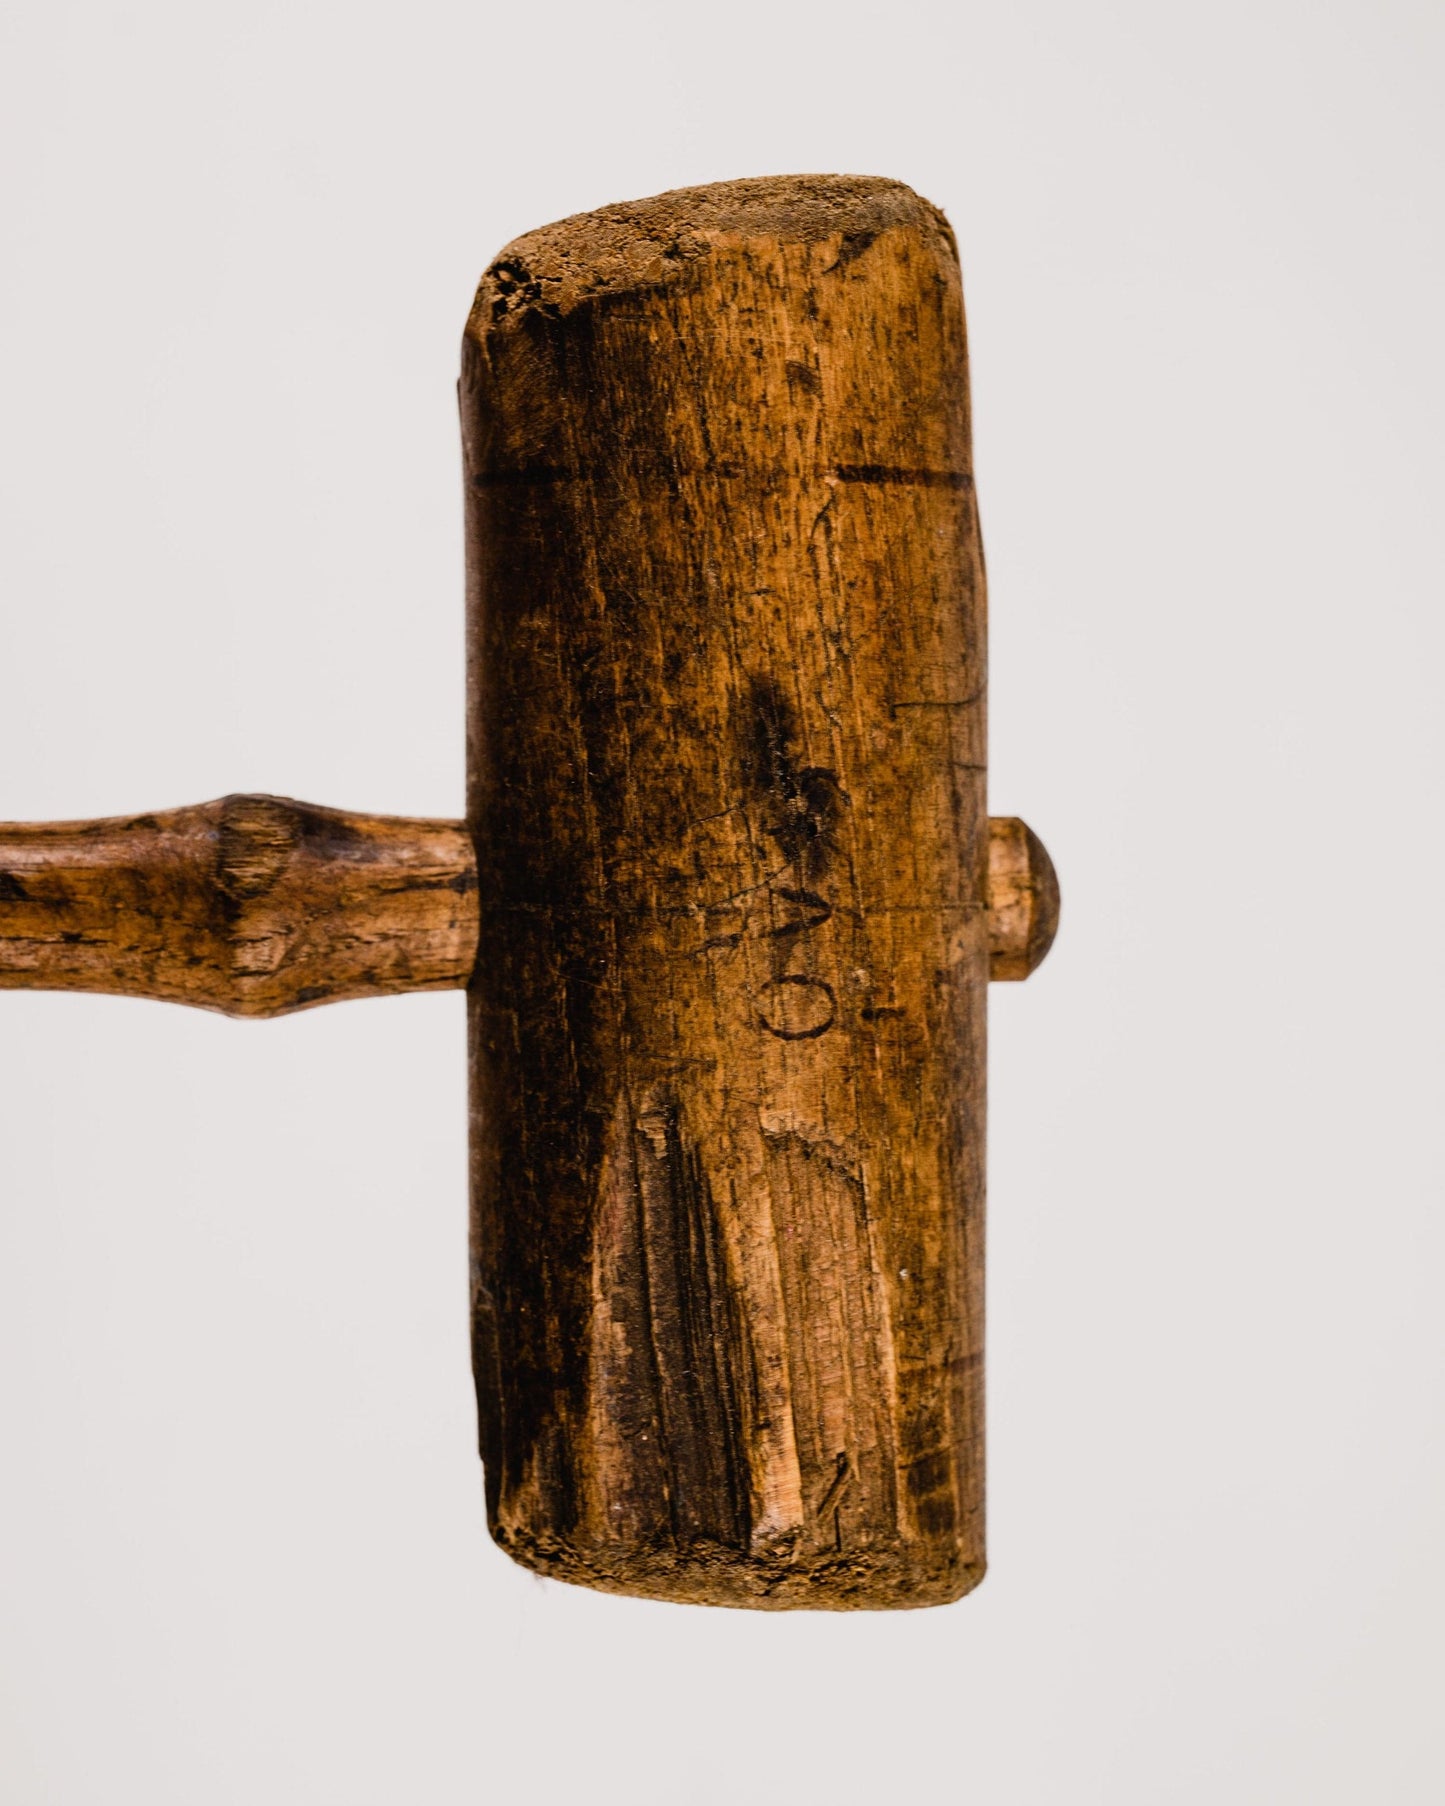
(726, 754)
(254, 905)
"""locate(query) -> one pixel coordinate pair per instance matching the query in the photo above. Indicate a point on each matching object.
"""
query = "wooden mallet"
(725, 904)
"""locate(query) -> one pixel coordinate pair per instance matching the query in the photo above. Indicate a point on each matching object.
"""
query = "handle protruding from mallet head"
(258, 906)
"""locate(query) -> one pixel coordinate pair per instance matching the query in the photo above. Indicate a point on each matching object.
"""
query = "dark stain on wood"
(803, 803)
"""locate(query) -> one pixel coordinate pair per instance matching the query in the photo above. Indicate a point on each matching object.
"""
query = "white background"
(242, 1553)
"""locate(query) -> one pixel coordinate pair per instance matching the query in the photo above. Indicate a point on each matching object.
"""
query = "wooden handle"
(254, 905)
(727, 761)
(257, 906)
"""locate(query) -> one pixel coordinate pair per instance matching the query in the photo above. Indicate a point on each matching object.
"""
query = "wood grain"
(254, 905)
(727, 763)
